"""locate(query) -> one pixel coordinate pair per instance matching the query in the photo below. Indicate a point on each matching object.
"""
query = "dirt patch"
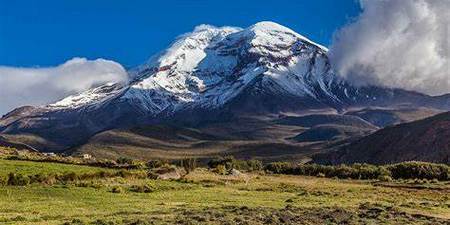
(366, 214)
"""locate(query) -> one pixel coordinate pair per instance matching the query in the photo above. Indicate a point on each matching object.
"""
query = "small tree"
(124, 161)
(18, 179)
(152, 164)
(189, 164)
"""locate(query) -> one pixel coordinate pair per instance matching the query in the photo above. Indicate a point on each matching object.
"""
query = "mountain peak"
(212, 28)
(273, 33)
(269, 25)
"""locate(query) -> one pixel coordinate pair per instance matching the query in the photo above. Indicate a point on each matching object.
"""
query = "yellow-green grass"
(200, 191)
(31, 168)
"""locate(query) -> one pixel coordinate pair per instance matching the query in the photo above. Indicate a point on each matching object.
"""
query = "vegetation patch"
(406, 170)
(59, 193)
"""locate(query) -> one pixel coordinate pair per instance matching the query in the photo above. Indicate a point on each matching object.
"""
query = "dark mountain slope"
(423, 140)
(383, 117)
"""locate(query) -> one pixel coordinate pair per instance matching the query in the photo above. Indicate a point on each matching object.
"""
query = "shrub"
(406, 170)
(68, 177)
(142, 188)
(48, 179)
(124, 161)
(419, 170)
(385, 178)
(279, 167)
(140, 222)
(104, 163)
(152, 175)
(152, 164)
(13, 157)
(74, 222)
(102, 222)
(220, 169)
(189, 164)
(18, 179)
(136, 164)
(254, 165)
(117, 189)
(229, 162)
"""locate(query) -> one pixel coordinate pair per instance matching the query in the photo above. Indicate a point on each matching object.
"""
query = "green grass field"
(203, 197)
(29, 168)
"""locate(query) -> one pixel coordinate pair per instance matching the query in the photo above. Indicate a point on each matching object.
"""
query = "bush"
(117, 189)
(74, 222)
(406, 170)
(189, 164)
(385, 178)
(18, 179)
(102, 222)
(104, 163)
(279, 167)
(3, 181)
(254, 165)
(419, 170)
(152, 164)
(48, 179)
(229, 162)
(220, 169)
(142, 188)
(124, 161)
(136, 164)
(68, 177)
(124, 174)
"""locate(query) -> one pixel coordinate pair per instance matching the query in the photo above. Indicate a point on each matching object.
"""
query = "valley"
(274, 112)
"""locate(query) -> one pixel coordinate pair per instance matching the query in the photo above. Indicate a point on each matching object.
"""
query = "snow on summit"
(211, 65)
(268, 32)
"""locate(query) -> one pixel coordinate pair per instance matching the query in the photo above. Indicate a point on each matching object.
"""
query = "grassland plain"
(203, 197)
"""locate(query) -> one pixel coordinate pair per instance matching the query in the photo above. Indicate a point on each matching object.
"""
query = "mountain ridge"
(423, 140)
(210, 74)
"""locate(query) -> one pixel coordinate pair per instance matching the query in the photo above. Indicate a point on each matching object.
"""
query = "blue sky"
(47, 33)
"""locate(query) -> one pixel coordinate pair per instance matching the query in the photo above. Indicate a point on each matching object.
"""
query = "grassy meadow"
(206, 197)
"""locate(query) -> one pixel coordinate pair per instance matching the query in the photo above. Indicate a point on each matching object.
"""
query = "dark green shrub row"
(355, 171)
(229, 162)
(419, 170)
(406, 170)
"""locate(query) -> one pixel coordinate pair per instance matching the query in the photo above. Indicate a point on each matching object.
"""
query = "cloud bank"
(37, 86)
(397, 43)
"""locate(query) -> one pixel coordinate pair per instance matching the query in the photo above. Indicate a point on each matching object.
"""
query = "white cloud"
(37, 86)
(397, 43)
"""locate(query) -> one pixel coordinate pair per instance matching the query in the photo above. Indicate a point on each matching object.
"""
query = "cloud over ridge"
(397, 43)
(37, 86)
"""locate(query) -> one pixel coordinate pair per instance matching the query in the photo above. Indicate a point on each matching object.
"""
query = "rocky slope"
(423, 140)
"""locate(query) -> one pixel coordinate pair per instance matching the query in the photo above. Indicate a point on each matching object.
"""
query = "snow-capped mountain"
(263, 68)
(210, 66)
